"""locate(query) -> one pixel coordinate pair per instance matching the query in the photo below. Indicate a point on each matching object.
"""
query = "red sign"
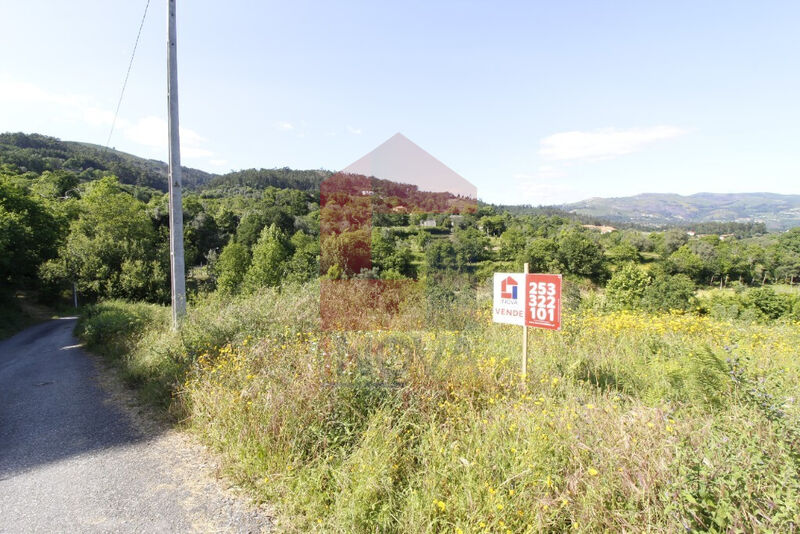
(543, 301)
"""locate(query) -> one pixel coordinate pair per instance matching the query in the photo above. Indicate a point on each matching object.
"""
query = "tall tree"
(270, 254)
(29, 233)
(231, 267)
(112, 249)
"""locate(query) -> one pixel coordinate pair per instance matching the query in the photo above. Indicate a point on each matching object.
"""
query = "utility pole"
(176, 263)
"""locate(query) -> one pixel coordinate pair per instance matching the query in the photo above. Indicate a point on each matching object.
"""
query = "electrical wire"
(127, 74)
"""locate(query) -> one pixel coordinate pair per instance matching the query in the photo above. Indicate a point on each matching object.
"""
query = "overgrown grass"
(12, 318)
(626, 422)
(19, 310)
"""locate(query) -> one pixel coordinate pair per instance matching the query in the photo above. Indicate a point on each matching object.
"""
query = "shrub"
(669, 292)
(755, 304)
(768, 303)
(627, 287)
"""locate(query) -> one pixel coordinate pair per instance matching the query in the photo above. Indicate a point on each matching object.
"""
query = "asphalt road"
(75, 455)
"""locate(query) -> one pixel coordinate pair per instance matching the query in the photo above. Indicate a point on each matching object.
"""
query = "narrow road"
(75, 457)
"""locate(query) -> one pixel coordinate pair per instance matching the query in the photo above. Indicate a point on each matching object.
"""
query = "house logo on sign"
(508, 288)
(527, 299)
(508, 305)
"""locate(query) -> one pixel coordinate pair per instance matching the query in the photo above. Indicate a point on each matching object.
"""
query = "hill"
(775, 210)
(257, 179)
(38, 153)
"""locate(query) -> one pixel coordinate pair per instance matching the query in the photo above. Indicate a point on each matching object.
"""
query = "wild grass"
(625, 422)
(12, 317)
(20, 309)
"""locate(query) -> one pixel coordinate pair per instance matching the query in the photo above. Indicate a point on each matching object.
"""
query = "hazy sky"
(533, 102)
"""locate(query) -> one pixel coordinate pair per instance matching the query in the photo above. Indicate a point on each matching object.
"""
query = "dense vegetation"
(108, 238)
(38, 153)
(627, 421)
(666, 401)
(242, 182)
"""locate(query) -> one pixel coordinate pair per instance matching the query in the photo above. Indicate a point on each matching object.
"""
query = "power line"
(127, 74)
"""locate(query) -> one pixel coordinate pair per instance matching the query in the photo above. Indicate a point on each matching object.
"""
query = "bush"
(669, 292)
(627, 287)
(755, 304)
(630, 288)
(768, 303)
(112, 325)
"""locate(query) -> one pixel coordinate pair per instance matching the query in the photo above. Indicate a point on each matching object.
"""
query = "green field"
(625, 422)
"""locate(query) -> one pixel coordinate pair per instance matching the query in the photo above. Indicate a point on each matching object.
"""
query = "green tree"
(55, 184)
(512, 244)
(254, 222)
(441, 256)
(201, 235)
(400, 264)
(638, 240)
(231, 267)
(669, 292)
(304, 264)
(627, 287)
(493, 225)
(382, 247)
(470, 246)
(422, 238)
(227, 221)
(112, 250)
(686, 262)
(542, 256)
(580, 254)
(349, 250)
(268, 266)
(673, 239)
(29, 233)
(622, 253)
(790, 240)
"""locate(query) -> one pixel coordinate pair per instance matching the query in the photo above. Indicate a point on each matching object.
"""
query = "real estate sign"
(509, 298)
(543, 301)
(527, 300)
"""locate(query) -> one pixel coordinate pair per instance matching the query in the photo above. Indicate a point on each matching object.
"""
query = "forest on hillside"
(66, 223)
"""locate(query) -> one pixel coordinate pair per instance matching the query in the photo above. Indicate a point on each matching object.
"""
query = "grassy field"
(625, 422)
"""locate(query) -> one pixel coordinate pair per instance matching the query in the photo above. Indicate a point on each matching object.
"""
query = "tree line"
(108, 239)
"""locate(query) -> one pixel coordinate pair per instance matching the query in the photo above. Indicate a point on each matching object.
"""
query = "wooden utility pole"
(176, 262)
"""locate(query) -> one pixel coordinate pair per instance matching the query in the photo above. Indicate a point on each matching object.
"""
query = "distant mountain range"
(775, 210)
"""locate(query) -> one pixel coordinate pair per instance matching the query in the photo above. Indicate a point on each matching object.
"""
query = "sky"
(533, 102)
